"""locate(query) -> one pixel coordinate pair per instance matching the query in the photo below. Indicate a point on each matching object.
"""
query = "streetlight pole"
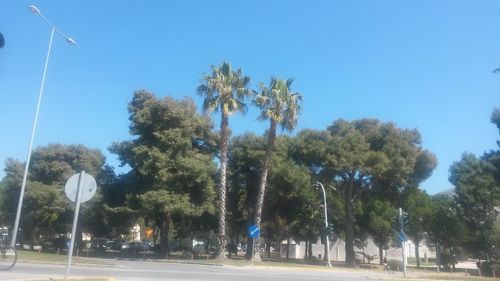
(70, 41)
(326, 226)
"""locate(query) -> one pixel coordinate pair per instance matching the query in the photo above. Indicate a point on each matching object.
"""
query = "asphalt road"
(142, 271)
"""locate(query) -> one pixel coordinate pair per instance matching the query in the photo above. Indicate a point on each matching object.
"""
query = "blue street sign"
(253, 231)
(402, 236)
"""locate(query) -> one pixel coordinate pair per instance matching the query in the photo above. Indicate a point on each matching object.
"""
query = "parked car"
(135, 246)
(98, 243)
(60, 243)
(114, 245)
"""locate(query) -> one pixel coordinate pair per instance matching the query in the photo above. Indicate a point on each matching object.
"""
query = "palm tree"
(280, 106)
(224, 90)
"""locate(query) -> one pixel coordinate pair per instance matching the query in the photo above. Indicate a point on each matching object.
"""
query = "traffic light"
(403, 224)
(329, 231)
(406, 219)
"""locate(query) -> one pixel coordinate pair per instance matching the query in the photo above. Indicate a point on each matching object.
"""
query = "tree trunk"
(381, 255)
(417, 254)
(263, 178)
(305, 251)
(310, 250)
(268, 249)
(78, 239)
(288, 247)
(155, 236)
(364, 254)
(221, 235)
(350, 257)
(237, 243)
(325, 257)
(249, 252)
(164, 229)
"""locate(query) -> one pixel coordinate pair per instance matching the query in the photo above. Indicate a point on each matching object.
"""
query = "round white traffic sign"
(88, 186)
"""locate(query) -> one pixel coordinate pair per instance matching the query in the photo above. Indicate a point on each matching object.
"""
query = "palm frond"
(279, 103)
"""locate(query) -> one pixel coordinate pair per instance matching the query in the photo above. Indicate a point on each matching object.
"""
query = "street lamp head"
(34, 9)
(71, 41)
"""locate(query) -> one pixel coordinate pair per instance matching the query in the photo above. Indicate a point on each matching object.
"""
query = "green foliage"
(286, 196)
(279, 103)
(447, 226)
(280, 106)
(477, 189)
(477, 196)
(419, 217)
(46, 210)
(495, 117)
(419, 208)
(245, 164)
(292, 205)
(55, 163)
(44, 205)
(224, 89)
(364, 155)
(381, 216)
(171, 157)
(10, 188)
(163, 201)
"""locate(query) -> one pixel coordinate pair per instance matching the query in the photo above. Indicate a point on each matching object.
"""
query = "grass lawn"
(53, 258)
(79, 279)
(450, 277)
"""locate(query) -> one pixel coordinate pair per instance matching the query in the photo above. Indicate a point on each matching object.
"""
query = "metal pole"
(403, 242)
(438, 257)
(75, 222)
(26, 166)
(253, 248)
(326, 227)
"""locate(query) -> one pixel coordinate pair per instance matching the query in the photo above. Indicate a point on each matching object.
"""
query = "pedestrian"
(386, 265)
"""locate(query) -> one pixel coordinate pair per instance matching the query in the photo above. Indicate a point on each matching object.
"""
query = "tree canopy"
(171, 157)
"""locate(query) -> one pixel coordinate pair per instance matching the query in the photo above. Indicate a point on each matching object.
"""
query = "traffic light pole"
(328, 263)
(403, 241)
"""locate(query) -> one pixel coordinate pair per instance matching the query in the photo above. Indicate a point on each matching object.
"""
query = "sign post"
(254, 233)
(79, 188)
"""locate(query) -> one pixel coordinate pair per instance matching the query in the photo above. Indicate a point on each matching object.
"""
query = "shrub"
(395, 265)
(448, 260)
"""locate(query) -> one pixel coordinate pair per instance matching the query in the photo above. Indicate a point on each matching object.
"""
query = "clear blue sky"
(420, 64)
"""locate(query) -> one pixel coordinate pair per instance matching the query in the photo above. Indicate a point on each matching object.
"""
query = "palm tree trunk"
(224, 126)
(263, 177)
